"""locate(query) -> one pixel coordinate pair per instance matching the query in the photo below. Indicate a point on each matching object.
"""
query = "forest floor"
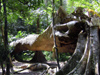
(18, 66)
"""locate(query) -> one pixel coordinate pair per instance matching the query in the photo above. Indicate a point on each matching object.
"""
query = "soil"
(19, 65)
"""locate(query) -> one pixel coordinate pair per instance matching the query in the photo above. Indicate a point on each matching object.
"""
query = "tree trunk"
(38, 24)
(38, 57)
(42, 1)
(85, 60)
(38, 2)
(6, 39)
(61, 3)
(46, 3)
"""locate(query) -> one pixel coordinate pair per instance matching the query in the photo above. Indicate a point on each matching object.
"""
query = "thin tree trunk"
(42, 1)
(61, 3)
(1, 30)
(46, 10)
(6, 38)
(38, 24)
(38, 2)
(0, 6)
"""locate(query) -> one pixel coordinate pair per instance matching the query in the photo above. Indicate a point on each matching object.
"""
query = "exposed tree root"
(80, 68)
(84, 62)
(73, 61)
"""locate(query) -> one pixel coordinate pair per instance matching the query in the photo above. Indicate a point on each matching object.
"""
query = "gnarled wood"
(66, 42)
(88, 64)
(73, 61)
(66, 36)
(84, 61)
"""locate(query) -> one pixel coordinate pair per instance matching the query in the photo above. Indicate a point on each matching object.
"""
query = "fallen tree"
(66, 42)
(72, 35)
(66, 32)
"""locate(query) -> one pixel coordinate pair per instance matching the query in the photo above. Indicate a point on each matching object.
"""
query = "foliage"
(64, 56)
(90, 4)
(28, 11)
(48, 55)
(25, 55)
(20, 34)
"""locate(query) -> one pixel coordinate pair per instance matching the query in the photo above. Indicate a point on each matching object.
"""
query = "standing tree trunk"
(6, 39)
(38, 2)
(1, 31)
(38, 23)
(42, 1)
(46, 2)
(61, 3)
(85, 60)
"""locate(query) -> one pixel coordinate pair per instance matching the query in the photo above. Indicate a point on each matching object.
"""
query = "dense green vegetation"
(33, 16)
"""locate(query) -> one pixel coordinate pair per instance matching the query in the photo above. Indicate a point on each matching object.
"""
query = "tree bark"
(44, 41)
(84, 61)
(94, 37)
(38, 24)
(6, 39)
(38, 57)
(73, 61)
(88, 62)
(61, 3)
(93, 58)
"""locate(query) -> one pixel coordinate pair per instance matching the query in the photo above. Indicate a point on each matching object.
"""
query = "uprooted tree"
(74, 35)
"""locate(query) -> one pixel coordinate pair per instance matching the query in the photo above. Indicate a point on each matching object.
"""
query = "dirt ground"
(25, 72)
(18, 65)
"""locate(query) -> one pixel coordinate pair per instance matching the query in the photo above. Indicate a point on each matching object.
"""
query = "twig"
(45, 71)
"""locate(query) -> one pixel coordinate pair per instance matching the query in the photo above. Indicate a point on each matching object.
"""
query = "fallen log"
(66, 36)
(66, 42)
(85, 59)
